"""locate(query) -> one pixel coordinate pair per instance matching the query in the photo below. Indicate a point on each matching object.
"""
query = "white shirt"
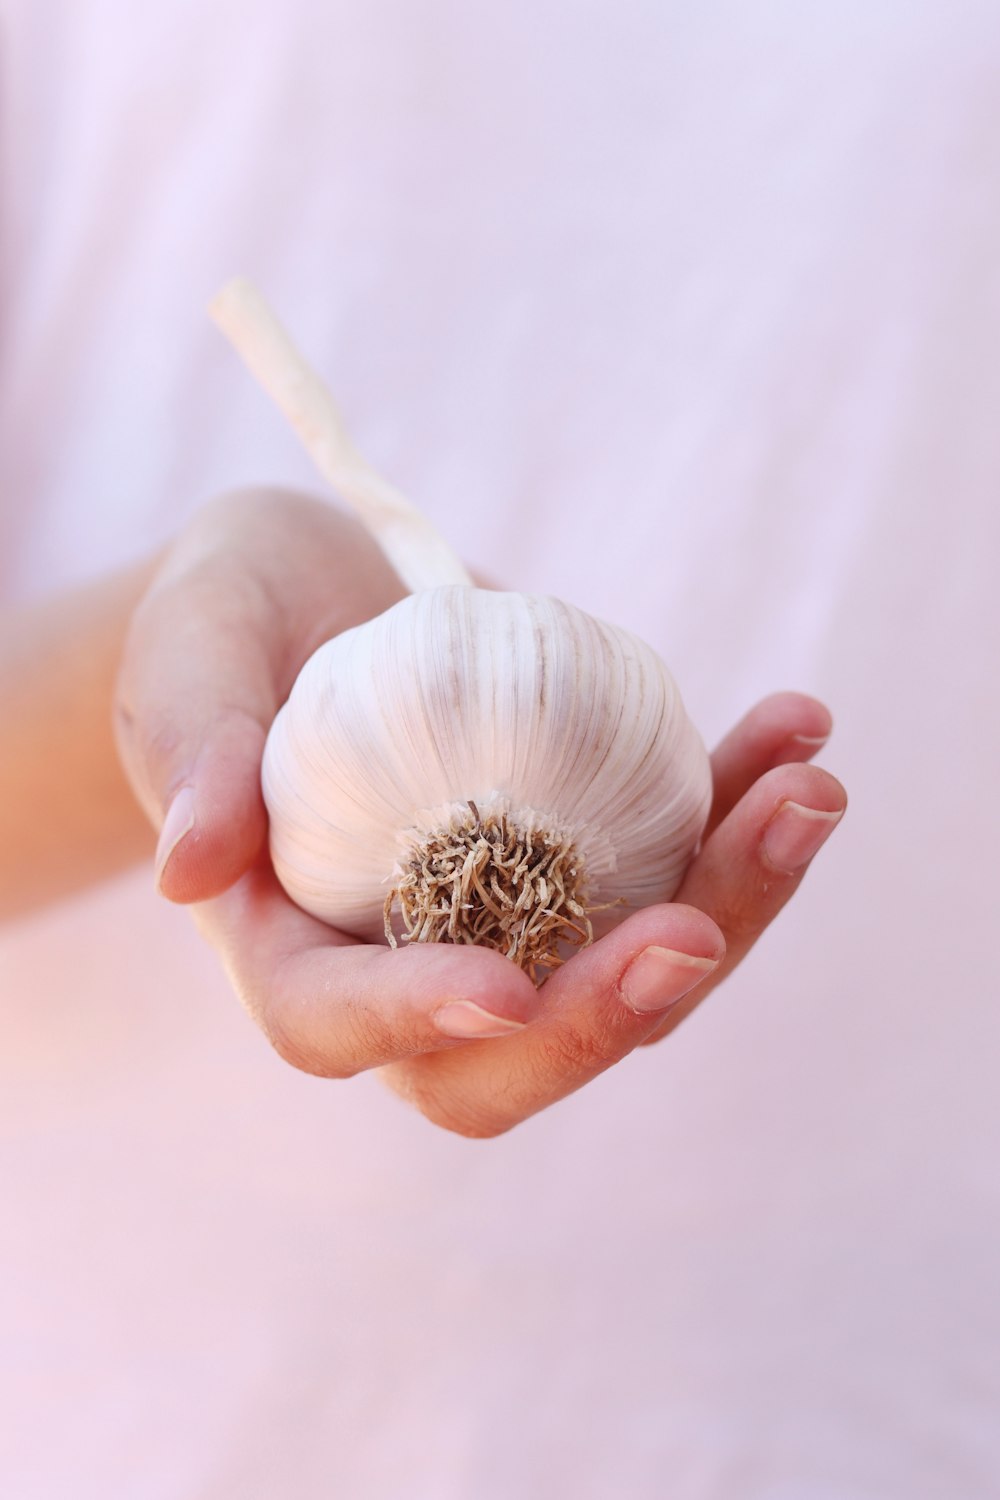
(687, 314)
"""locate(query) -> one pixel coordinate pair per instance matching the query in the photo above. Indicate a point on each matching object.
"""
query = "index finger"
(195, 697)
(254, 585)
(334, 1006)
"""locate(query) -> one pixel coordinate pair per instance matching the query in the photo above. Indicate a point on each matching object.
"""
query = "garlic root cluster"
(495, 880)
(469, 766)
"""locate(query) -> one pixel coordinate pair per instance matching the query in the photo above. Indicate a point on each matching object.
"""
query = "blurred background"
(686, 313)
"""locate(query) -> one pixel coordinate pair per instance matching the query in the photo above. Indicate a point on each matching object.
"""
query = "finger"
(783, 728)
(594, 1011)
(252, 587)
(195, 698)
(334, 1006)
(755, 861)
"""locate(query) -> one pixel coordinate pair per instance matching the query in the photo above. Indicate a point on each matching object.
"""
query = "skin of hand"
(251, 588)
(67, 814)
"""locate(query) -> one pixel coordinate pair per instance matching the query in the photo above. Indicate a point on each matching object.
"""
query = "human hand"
(250, 590)
(253, 585)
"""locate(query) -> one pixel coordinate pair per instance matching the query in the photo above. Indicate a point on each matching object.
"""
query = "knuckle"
(329, 1038)
(578, 1055)
(446, 1108)
(291, 1037)
(740, 916)
(299, 1053)
(369, 1035)
(471, 1127)
(160, 740)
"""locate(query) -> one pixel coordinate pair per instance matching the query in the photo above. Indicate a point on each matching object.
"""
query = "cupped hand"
(249, 591)
(255, 583)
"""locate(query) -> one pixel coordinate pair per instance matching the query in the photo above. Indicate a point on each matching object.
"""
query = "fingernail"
(176, 825)
(794, 834)
(466, 1019)
(812, 740)
(661, 976)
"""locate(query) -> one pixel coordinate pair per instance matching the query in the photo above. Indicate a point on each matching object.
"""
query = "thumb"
(196, 696)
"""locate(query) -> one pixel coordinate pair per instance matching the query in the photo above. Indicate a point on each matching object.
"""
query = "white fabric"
(688, 314)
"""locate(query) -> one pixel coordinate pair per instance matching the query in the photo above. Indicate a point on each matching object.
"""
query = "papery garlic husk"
(461, 704)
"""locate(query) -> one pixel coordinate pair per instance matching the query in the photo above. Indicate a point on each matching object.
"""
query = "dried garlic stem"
(485, 880)
(420, 556)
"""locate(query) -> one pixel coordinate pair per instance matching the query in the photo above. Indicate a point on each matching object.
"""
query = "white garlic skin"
(460, 694)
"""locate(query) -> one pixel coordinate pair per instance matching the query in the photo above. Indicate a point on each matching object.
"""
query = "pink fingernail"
(794, 834)
(661, 976)
(463, 1018)
(814, 741)
(176, 826)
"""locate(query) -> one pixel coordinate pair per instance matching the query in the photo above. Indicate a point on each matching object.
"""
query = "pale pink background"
(690, 314)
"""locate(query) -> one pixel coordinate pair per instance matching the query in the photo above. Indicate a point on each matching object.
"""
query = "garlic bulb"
(470, 766)
(460, 708)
